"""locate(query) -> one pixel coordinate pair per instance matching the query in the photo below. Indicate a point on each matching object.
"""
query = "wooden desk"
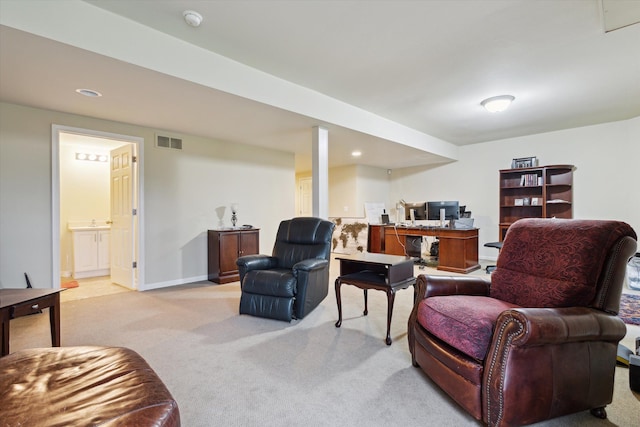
(366, 271)
(458, 247)
(20, 302)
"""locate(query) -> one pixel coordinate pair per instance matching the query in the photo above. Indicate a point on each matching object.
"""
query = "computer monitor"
(419, 211)
(451, 210)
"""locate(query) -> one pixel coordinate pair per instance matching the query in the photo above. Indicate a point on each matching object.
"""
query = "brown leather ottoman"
(88, 386)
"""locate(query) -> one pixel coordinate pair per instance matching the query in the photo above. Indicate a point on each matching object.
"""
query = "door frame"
(138, 234)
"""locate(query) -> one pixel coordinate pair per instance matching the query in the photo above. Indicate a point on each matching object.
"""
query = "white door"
(306, 193)
(122, 242)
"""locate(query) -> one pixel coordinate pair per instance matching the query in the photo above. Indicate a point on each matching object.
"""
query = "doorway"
(82, 201)
(305, 193)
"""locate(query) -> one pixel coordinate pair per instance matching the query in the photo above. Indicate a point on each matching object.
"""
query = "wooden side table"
(386, 273)
(21, 302)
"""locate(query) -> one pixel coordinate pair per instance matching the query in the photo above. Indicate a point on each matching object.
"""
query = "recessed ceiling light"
(497, 104)
(89, 92)
(356, 153)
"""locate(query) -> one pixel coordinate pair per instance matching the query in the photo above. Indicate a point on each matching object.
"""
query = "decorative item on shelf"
(524, 162)
(400, 211)
(234, 212)
(518, 202)
(526, 201)
(535, 201)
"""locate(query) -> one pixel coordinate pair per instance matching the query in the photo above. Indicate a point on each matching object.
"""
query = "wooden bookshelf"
(535, 192)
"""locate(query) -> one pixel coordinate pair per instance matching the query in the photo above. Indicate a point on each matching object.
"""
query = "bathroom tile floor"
(90, 287)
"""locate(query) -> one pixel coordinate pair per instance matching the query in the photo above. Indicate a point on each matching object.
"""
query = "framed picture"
(518, 202)
(535, 201)
(524, 162)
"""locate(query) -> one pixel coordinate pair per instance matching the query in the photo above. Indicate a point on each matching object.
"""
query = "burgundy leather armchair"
(537, 342)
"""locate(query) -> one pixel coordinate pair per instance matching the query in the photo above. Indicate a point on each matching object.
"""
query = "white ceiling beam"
(82, 25)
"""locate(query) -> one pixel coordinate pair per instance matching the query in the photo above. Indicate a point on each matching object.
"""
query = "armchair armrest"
(429, 286)
(550, 345)
(309, 265)
(255, 262)
(531, 327)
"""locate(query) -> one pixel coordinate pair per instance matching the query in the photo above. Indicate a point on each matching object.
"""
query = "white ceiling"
(419, 65)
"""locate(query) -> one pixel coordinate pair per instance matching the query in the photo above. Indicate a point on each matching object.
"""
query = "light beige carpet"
(231, 370)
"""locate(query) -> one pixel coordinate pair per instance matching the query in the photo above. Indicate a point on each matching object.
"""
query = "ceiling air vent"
(168, 142)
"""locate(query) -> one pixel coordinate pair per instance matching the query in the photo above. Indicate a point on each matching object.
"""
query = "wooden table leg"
(339, 301)
(4, 318)
(391, 296)
(54, 321)
(366, 306)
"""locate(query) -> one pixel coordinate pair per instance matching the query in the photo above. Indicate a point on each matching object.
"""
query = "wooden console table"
(458, 251)
(386, 273)
(21, 302)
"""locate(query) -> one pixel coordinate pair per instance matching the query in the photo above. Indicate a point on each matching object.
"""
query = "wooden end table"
(386, 273)
(21, 302)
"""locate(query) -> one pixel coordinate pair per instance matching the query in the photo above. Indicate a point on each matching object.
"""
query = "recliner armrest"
(257, 262)
(541, 326)
(309, 265)
(430, 286)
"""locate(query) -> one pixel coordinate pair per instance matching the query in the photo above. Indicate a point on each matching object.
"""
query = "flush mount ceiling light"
(497, 104)
(192, 18)
(89, 92)
(356, 153)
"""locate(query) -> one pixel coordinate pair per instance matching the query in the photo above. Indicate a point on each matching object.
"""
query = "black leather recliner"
(291, 282)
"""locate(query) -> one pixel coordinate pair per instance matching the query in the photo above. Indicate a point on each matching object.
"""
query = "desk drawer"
(26, 309)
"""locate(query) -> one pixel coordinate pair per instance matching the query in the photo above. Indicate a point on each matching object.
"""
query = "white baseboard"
(169, 283)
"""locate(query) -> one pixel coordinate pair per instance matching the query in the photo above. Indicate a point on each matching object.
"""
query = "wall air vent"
(168, 142)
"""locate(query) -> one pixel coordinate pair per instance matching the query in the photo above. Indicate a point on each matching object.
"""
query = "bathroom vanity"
(91, 251)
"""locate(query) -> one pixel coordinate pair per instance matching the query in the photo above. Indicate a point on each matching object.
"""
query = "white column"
(320, 172)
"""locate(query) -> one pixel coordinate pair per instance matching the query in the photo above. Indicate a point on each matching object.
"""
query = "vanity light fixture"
(89, 92)
(92, 157)
(497, 104)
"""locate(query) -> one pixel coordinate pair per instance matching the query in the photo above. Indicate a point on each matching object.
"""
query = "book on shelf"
(529, 180)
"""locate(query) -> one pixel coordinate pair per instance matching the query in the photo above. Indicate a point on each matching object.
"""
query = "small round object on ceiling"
(192, 18)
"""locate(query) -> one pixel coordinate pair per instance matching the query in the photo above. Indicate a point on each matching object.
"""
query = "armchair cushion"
(464, 322)
(552, 263)
(276, 282)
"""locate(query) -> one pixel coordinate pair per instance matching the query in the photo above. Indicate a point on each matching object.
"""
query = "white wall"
(182, 192)
(373, 186)
(351, 186)
(606, 157)
(343, 192)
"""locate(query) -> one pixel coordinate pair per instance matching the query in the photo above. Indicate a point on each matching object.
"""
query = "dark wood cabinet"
(224, 248)
(536, 192)
(375, 239)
